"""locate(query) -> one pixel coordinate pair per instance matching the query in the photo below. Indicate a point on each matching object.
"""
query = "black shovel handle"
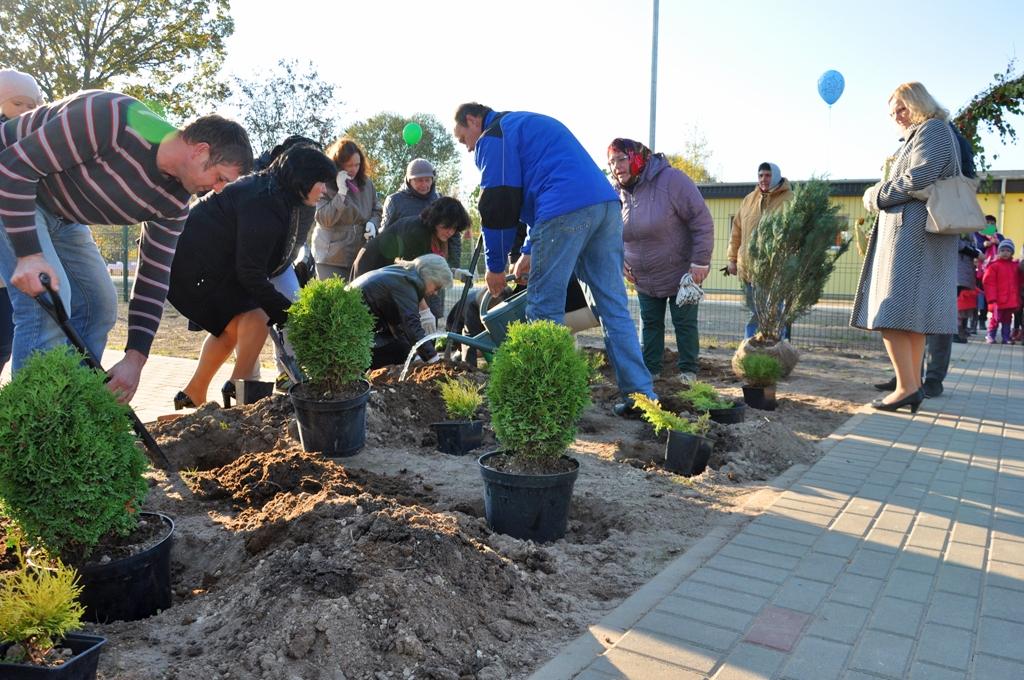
(55, 308)
(461, 306)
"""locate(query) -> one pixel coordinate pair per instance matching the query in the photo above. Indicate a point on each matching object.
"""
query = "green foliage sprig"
(538, 389)
(38, 607)
(331, 330)
(70, 468)
(704, 397)
(663, 420)
(992, 108)
(760, 370)
(461, 398)
(792, 255)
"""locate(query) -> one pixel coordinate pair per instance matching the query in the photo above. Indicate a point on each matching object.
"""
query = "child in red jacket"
(1002, 291)
(966, 309)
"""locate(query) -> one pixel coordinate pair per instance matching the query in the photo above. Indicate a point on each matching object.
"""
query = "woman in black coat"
(232, 245)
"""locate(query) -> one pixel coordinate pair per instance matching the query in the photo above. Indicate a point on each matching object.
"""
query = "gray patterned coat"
(909, 277)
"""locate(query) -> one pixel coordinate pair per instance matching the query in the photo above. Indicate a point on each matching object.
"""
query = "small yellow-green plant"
(656, 415)
(38, 607)
(461, 397)
(704, 397)
(595, 362)
(760, 370)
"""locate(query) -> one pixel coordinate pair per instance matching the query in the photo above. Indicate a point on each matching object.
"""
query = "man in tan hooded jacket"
(771, 194)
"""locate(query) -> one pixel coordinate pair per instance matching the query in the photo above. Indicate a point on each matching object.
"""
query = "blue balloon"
(830, 86)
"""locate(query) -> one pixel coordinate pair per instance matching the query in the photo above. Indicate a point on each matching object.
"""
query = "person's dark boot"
(932, 388)
(887, 386)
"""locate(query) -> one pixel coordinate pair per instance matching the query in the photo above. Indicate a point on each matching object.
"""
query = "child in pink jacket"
(1002, 291)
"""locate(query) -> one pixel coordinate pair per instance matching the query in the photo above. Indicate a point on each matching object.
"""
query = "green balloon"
(412, 133)
(151, 126)
(990, 229)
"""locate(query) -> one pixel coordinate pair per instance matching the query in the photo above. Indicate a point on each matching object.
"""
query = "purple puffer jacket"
(667, 226)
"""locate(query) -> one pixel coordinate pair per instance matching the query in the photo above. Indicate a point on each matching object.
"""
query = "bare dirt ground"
(291, 566)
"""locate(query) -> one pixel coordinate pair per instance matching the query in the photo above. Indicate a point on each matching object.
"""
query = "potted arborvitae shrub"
(538, 388)
(71, 479)
(39, 609)
(463, 432)
(761, 372)
(792, 254)
(331, 331)
(706, 399)
(687, 450)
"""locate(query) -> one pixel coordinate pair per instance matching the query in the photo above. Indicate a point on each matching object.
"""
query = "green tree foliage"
(792, 254)
(662, 420)
(290, 100)
(165, 51)
(694, 158)
(704, 397)
(991, 107)
(381, 137)
(760, 370)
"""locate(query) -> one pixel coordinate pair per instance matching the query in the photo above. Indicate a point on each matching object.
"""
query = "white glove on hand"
(341, 179)
(371, 231)
(689, 292)
(462, 274)
(428, 321)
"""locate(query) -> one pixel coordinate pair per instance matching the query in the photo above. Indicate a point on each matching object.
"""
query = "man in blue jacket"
(534, 170)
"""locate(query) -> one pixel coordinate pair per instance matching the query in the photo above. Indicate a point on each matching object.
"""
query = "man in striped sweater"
(100, 157)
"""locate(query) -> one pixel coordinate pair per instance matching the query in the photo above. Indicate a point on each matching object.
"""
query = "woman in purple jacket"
(668, 233)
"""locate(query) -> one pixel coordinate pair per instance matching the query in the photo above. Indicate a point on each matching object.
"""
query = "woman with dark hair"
(347, 214)
(232, 245)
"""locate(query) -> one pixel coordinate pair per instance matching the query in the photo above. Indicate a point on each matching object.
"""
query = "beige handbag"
(952, 202)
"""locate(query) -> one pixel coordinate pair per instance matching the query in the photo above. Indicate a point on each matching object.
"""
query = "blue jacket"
(532, 170)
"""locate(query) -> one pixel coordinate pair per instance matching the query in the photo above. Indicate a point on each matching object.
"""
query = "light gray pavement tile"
(777, 628)
(965, 555)
(933, 521)
(863, 506)
(743, 567)
(954, 610)
(786, 524)
(756, 556)
(816, 659)
(926, 671)
(871, 563)
(882, 653)
(852, 525)
(697, 610)
(1001, 603)
(775, 533)
(792, 497)
(927, 537)
(1000, 638)
(915, 491)
(1004, 529)
(977, 516)
(840, 545)
(978, 489)
(839, 622)
(875, 492)
(1011, 552)
(896, 616)
(669, 649)
(951, 489)
(750, 662)
(620, 663)
(917, 477)
(939, 503)
(821, 567)
(884, 478)
(944, 646)
(858, 590)
(696, 632)
(763, 544)
(891, 520)
(591, 674)
(909, 585)
(714, 594)
(733, 582)
(885, 541)
(1006, 575)
(986, 667)
(813, 518)
(801, 594)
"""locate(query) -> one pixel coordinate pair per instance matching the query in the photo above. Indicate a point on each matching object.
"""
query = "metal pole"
(124, 270)
(654, 75)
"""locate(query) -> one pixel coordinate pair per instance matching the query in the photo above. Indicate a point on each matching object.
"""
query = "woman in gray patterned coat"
(908, 284)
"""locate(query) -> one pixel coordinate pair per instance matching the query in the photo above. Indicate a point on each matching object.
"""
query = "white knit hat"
(419, 167)
(17, 84)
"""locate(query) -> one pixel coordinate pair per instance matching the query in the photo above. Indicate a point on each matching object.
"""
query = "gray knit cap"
(419, 167)
(1006, 244)
(17, 84)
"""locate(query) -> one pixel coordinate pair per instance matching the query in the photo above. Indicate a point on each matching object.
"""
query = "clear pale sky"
(744, 74)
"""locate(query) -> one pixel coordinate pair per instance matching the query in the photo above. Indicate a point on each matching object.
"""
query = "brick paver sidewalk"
(899, 554)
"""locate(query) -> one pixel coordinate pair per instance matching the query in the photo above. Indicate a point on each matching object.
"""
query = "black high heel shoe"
(913, 401)
(228, 393)
(182, 400)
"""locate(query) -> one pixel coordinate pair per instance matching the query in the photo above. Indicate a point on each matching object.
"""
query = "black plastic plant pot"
(530, 507)
(133, 587)
(687, 454)
(85, 651)
(761, 398)
(458, 437)
(729, 416)
(336, 428)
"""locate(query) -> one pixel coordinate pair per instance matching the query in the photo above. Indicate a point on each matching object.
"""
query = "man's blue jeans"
(86, 289)
(755, 320)
(588, 242)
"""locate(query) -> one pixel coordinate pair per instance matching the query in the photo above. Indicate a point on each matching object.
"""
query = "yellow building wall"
(1012, 223)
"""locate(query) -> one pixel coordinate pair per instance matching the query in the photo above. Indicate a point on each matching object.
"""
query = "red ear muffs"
(636, 163)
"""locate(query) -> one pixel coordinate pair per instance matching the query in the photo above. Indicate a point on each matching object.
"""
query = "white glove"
(461, 274)
(871, 197)
(689, 292)
(434, 359)
(341, 179)
(428, 321)
(371, 231)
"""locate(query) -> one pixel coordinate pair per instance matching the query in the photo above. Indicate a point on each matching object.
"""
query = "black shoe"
(913, 401)
(626, 410)
(887, 386)
(932, 389)
(228, 393)
(959, 340)
(182, 400)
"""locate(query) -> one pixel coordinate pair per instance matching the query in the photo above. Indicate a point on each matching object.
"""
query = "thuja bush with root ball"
(538, 388)
(70, 468)
(331, 331)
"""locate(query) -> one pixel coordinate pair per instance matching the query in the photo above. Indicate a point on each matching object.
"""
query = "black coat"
(232, 244)
(408, 238)
(393, 295)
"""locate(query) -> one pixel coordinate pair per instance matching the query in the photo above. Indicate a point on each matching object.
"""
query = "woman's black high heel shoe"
(913, 401)
(182, 400)
(228, 393)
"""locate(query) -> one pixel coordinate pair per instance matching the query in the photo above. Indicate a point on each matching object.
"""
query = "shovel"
(291, 367)
(461, 308)
(55, 308)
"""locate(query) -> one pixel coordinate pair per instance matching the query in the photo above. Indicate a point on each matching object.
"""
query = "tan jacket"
(752, 209)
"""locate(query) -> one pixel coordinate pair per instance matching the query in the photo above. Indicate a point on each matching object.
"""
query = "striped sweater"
(91, 159)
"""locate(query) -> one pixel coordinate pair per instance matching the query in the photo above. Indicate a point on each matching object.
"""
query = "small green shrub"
(538, 389)
(461, 397)
(760, 370)
(38, 607)
(331, 330)
(596, 362)
(704, 397)
(70, 468)
(666, 420)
